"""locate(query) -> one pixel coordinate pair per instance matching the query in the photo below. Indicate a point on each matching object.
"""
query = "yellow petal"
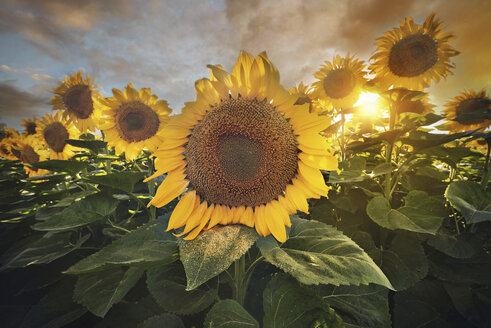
(313, 141)
(296, 198)
(195, 217)
(166, 164)
(275, 224)
(174, 184)
(216, 217)
(168, 144)
(247, 217)
(313, 176)
(182, 211)
(260, 220)
(204, 220)
(327, 163)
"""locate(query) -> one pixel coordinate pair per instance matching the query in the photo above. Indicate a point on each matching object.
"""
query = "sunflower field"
(350, 202)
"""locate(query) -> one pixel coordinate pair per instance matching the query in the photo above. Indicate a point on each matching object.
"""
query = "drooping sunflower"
(340, 81)
(412, 55)
(29, 125)
(29, 150)
(74, 97)
(53, 130)
(468, 103)
(245, 153)
(304, 94)
(133, 120)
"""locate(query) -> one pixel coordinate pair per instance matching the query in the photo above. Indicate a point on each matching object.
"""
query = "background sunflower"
(52, 131)
(340, 81)
(244, 151)
(133, 120)
(29, 125)
(412, 55)
(304, 94)
(74, 97)
(30, 150)
(470, 110)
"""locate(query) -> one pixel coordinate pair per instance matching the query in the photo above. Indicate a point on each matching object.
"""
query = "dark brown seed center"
(243, 152)
(55, 135)
(413, 55)
(137, 122)
(339, 83)
(471, 106)
(28, 155)
(78, 101)
(31, 128)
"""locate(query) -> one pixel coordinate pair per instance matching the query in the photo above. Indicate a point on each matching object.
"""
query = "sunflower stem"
(388, 156)
(151, 188)
(485, 178)
(343, 121)
(239, 280)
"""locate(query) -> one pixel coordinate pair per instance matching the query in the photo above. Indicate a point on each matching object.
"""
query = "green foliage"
(229, 314)
(317, 253)
(119, 180)
(469, 198)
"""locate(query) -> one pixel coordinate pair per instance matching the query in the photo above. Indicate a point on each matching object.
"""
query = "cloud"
(9, 69)
(42, 77)
(16, 104)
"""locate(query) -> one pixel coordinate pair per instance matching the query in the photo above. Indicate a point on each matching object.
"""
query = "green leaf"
(421, 139)
(316, 253)
(382, 169)
(213, 251)
(417, 217)
(288, 305)
(166, 320)
(404, 262)
(471, 200)
(229, 314)
(98, 291)
(472, 270)
(149, 244)
(454, 246)
(75, 197)
(41, 250)
(358, 306)
(119, 180)
(92, 208)
(167, 284)
(94, 145)
(55, 309)
(56, 165)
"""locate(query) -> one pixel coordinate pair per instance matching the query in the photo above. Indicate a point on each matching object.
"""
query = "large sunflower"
(30, 150)
(53, 130)
(245, 153)
(29, 125)
(468, 103)
(133, 120)
(340, 81)
(413, 55)
(74, 97)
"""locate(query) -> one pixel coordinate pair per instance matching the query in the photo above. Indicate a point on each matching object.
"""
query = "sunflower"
(133, 120)
(468, 103)
(9, 138)
(245, 153)
(406, 101)
(29, 125)
(30, 150)
(74, 97)
(413, 55)
(340, 81)
(52, 131)
(304, 94)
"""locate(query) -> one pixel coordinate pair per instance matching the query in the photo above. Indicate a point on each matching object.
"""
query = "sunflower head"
(340, 81)
(52, 131)
(133, 120)
(73, 97)
(468, 111)
(30, 125)
(305, 96)
(242, 153)
(413, 55)
(29, 150)
(9, 139)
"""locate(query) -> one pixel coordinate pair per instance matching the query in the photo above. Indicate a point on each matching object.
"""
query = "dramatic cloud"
(17, 103)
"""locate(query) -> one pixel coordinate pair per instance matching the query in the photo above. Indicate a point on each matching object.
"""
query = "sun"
(53, 130)
(73, 97)
(412, 55)
(368, 104)
(468, 103)
(133, 120)
(340, 82)
(242, 153)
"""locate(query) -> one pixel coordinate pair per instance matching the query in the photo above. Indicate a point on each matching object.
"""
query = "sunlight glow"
(368, 103)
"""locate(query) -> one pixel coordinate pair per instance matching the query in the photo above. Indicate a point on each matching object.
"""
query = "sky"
(166, 45)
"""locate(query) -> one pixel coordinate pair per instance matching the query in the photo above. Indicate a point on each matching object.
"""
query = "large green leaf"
(459, 246)
(213, 251)
(471, 200)
(288, 305)
(56, 165)
(472, 270)
(94, 145)
(119, 180)
(421, 214)
(316, 253)
(149, 244)
(41, 250)
(98, 291)
(167, 284)
(422, 139)
(55, 309)
(358, 306)
(229, 314)
(166, 320)
(92, 208)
